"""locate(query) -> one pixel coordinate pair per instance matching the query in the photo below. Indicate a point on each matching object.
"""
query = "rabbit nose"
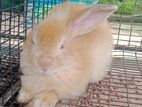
(45, 62)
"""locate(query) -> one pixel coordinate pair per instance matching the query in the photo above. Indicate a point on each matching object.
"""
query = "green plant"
(4, 4)
(126, 7)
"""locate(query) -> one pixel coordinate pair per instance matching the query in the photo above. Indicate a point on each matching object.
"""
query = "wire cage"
(122, 87)
(16, 17)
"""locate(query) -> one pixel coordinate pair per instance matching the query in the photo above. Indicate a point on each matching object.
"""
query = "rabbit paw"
(45, 99)
(24, 96)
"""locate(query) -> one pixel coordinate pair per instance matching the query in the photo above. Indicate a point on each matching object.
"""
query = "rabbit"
(64, 52)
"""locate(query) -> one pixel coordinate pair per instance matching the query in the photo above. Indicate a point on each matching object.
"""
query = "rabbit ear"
(90, 18)
(35, 34)
(35, 48)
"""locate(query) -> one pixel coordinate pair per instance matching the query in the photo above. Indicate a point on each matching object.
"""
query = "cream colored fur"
(83, 59)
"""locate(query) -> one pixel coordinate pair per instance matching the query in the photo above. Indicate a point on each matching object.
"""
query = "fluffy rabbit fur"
(64, 52)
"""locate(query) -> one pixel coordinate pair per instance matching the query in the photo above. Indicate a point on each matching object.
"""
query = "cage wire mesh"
(16, 17)
(11, 32)
(122, 87)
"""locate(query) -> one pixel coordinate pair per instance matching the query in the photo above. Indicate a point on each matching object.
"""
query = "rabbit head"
(52, 37)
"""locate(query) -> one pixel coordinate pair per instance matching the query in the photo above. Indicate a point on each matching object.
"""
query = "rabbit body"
(58, 62)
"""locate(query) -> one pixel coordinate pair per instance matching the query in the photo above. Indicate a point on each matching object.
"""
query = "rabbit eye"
(62, 47)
